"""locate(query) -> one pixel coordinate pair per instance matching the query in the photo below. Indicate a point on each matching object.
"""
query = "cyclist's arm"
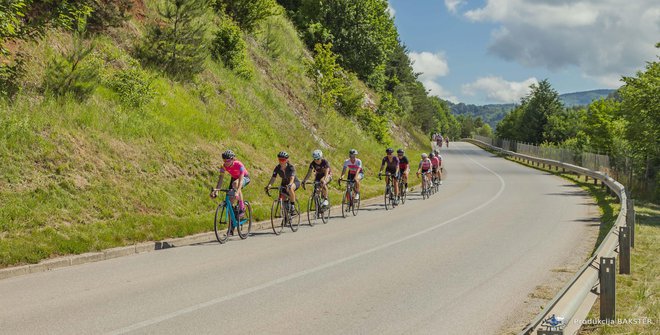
(309, 172)
(220, 179)
(381, 167)
(343, 170)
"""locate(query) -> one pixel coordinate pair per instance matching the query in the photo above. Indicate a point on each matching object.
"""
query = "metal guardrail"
(572, 304)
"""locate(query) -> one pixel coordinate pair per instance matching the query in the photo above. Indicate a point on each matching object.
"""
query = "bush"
(133, 86)
(108, 13)
(229, 47)
(9, 76)
(71, 72)
(247, 13)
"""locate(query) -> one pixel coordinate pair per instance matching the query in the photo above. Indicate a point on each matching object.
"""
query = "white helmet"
(424, 155)
(317, 154)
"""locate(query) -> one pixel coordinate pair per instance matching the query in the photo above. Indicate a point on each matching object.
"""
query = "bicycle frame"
(230, 215)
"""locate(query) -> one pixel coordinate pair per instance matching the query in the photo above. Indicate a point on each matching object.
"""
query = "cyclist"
(392, 168)
(287, 172)
(447, 141)
(321, 169)
(239, 179)
(435, 166)
(424, 167)
(355, 171)
(438, 141)
(404, 167)
(437, 154)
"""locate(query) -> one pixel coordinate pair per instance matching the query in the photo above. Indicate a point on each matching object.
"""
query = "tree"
(362, 32)
(177, 46)
(540, 104)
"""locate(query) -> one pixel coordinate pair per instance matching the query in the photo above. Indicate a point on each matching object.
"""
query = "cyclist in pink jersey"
(239, 178)
(424, 167)
(435, 166)
(355, 171)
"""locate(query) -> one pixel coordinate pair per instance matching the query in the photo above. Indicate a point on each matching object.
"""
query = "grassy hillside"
(84, 176)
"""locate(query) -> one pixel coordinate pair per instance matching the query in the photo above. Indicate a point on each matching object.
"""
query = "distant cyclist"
(424, 167)
(392, 163)
(404, 167)
(321, 169)
(435, 166)
(438, 141)
(447, 141)
(239, 179)
(287, 172)
(355, 171)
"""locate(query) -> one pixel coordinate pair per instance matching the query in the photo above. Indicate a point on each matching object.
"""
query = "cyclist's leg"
(292, 191)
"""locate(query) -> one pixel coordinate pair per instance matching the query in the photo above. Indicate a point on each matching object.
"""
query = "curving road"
(462, 262)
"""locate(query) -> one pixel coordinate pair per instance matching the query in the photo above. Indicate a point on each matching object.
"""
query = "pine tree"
(178, 46)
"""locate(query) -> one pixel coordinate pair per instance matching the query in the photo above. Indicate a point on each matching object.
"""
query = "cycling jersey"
(320, 168)
(390, 166)
(435, 161)
(425, 164)
(353, 167)
(403, 163)
(286, 174)
(235, 169)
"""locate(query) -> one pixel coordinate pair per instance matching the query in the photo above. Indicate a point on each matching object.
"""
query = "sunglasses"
(228, 160)
(282, 159)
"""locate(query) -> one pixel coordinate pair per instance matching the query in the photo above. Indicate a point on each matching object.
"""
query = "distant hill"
(493, 113)
(583, 98)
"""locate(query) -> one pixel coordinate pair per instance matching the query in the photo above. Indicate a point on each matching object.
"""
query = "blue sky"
(490, 51)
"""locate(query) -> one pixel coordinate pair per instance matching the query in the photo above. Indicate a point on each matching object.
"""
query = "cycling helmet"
(228, 154)
(282, 154)
(317, 154)
(400, 151)
(353, 152)
(389, 150)
(424, 155)
(432, 155)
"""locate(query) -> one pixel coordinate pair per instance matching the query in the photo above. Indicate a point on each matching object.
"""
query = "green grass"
(637, 294)
(85, 176)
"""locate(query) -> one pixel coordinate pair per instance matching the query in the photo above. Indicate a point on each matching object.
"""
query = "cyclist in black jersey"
(321, 169)
(404, 166)
(392, 168)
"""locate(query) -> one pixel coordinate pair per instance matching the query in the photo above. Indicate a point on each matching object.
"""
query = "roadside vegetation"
(114, 113)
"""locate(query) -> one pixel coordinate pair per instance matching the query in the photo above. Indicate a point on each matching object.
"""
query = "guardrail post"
(607, 287)
(630, 219)
(624, 250)
(595, 181)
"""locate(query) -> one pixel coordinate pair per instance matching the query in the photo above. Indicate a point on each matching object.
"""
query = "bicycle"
(426, 188)
(348, 202)
(222, 219)
(282, 212)
(436, 183)
(315, 208)
(403, 193)
(389, 191)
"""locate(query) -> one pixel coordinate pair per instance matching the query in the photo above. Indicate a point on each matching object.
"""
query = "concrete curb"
(66, 261)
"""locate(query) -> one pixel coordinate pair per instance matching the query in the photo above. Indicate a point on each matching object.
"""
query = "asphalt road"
(462, 262)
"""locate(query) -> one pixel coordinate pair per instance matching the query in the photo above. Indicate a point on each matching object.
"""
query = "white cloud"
(605, 39)
(431, 66)
(498, 89)
(452, 5)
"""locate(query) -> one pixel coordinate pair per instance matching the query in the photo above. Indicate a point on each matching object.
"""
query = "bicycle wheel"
(220, 225)
(424, 195)
(276, 217)
(402, 193)
(346, 204)
(388, 202)
(325, 213)
(313, 210)
(245, 223)
(295, 218)
(355, 206)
